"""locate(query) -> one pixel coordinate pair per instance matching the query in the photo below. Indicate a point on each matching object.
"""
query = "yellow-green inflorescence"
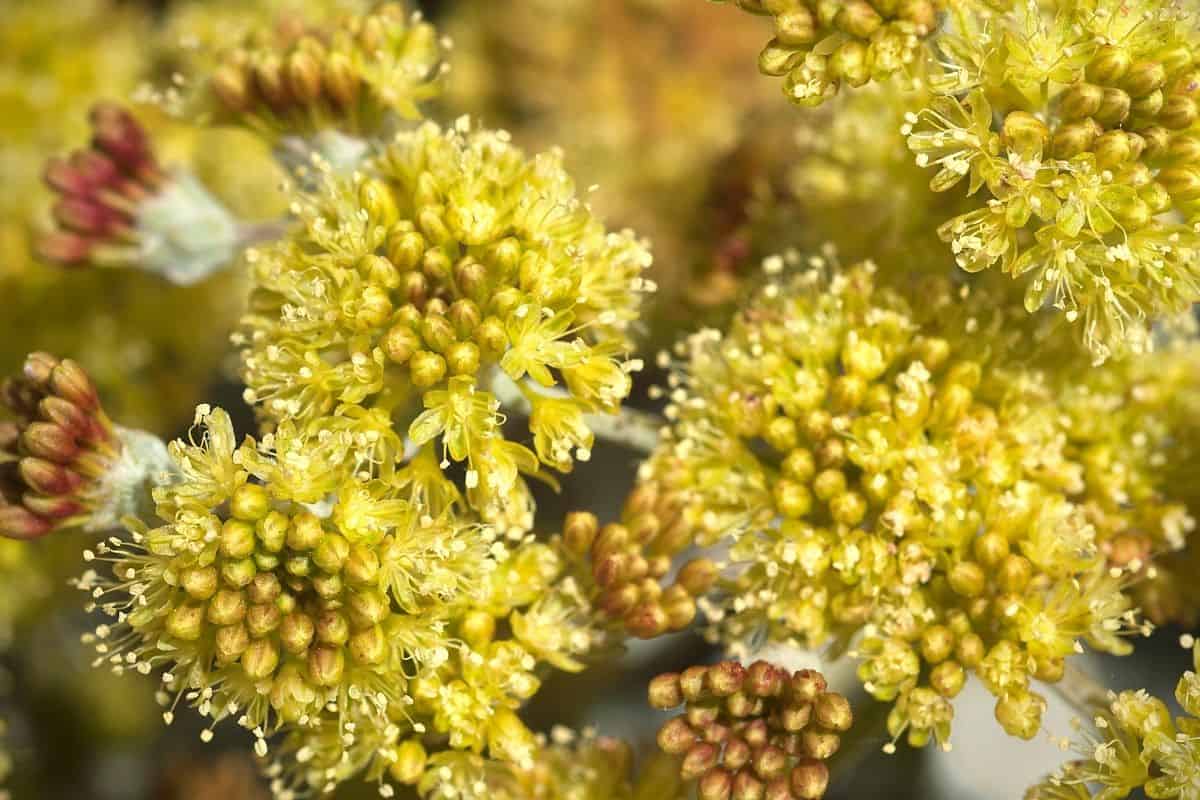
(452, 276)
(1075, 124)
(1135, 745)
(292, 586)
(821, 44)
(912, 480)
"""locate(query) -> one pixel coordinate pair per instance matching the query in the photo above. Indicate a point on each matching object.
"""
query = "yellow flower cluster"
(453, 274)
(1135, 745)
(909, 476)
(291, 586)
(1079, 120)
(820, 44)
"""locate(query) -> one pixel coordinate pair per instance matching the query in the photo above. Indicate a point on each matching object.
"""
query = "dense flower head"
(751, 731)
(451, 274)
(58, 450)
(916, 480)
(119, 207)
(1076, 124)
(1135, 744)
(354, 75)
(295, 585)
(821, 44)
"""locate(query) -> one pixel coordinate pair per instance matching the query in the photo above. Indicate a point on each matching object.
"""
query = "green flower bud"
(260, 659)
(186, 622)
(237, 539)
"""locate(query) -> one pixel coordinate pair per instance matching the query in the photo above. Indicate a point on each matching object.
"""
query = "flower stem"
(1081, 691)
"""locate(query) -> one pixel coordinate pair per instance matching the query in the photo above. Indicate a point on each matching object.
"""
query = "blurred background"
(658, 103)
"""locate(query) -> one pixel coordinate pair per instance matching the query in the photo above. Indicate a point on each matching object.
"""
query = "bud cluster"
(118, 207)
(819, 45)
(914, 475)
(100, 189)
(55, 451)
(352, 76)
(448, 270)
(751, 732)
(630, 559)
(1091, 163)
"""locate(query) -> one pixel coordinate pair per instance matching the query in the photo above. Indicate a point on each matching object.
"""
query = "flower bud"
(199, 582)
(664, 691)
(967, 579)
(807, 685)
(232, 88)
(304, 76)
(296, 632)
(809, 779)
(305, 531)
(724, 678)
(369, 646)
(437, 332)
(227, 607)
(341, 80)
(186, 622)
(427, 369)
(1074, 138)
(1081, 100)
(400, 343)
(676, 737)
(231, 642)
(272, 531)
(326, 665)
(699, 758)
(237, 539)
(238, 573)
(250, 502)
(1109, 65)
(1024, 133)
(260, 659)
(833, 712)
(716, 784)
(262, 618)
(410, 761)
(331, 553)
(1143, 78)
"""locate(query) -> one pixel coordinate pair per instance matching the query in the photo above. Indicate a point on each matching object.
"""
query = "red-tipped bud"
(49, 441)
(17, 522)
(45, 477)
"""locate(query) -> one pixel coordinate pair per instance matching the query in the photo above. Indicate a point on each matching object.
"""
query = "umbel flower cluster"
(939, 476)
(1071, 122)
(900, 479)
(449, 274)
